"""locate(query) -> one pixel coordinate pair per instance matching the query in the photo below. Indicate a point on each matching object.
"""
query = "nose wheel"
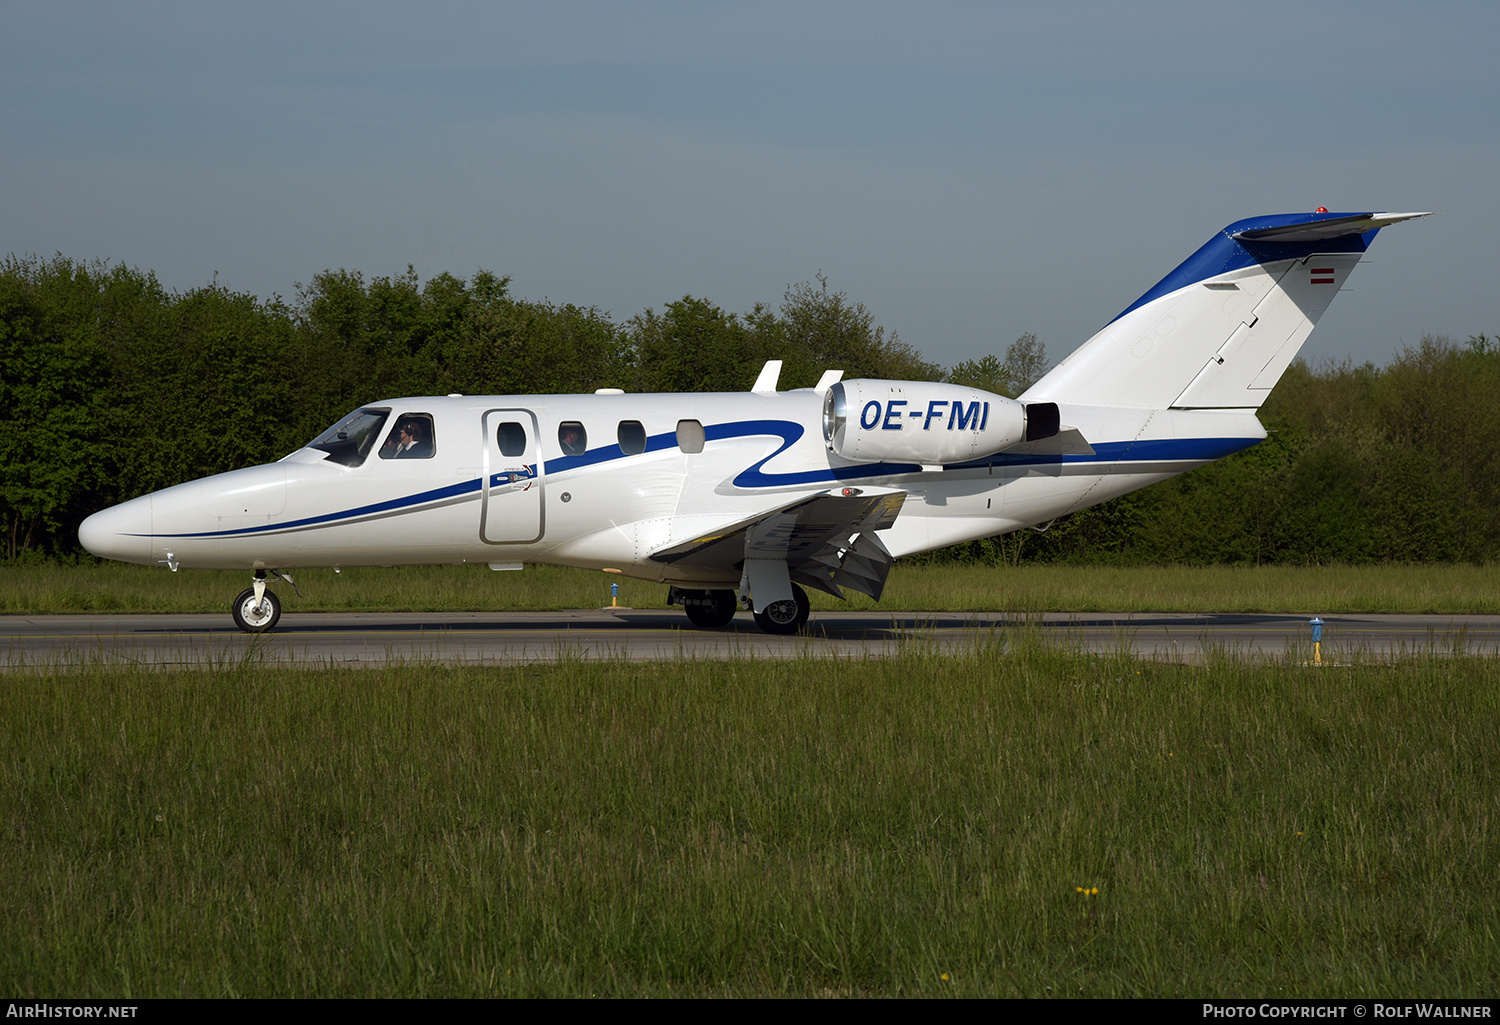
(256, 610)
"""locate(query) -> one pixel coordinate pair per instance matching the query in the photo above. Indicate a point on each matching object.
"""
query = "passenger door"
(511, 509)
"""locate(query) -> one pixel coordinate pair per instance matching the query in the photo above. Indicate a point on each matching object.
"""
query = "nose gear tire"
(255, 619)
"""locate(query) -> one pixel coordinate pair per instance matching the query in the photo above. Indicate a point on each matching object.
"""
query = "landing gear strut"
(256, 610)
(786, 616)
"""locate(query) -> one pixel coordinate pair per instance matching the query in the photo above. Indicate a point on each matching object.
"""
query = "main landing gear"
(714, 609)
(709, 609)
(785, 616)
(256, 610)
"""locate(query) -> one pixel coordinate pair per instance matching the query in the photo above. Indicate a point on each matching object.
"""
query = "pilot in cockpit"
(409, 441)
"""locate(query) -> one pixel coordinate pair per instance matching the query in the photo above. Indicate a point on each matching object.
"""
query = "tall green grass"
(1440, 589)
(914, 826)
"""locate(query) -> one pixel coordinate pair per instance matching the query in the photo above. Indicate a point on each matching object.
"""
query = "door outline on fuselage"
(517, 483)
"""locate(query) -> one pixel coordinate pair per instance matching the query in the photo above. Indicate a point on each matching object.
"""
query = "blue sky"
(968, 171)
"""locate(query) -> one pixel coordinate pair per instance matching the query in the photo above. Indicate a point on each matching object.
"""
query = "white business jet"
(743, 499)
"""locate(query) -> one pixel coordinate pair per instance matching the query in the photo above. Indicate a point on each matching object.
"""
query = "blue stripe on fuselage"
(436, 495)
(1164, 450)
(1197, 450)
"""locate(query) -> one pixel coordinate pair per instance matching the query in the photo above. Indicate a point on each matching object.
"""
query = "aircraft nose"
(122, 532)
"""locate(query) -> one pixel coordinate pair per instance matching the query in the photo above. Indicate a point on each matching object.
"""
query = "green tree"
(985, 373)
(828, 332)
(693, 345)
(52, 398)
(1024, 364)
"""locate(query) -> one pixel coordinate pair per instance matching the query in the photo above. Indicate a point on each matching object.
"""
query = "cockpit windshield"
(350, 440)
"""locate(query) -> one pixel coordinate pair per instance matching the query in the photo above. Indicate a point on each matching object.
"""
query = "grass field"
(1442, 589)
(917, 826)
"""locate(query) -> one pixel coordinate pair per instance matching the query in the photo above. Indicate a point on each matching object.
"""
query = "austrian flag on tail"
(1322, 275)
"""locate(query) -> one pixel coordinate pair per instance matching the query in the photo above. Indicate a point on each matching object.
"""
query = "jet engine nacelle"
(918, 421)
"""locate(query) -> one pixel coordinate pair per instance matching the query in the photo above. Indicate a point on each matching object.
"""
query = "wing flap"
(827, 541)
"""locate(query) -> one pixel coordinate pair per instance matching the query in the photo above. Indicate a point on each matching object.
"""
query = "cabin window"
(690, 435)
(632, 437)
(411, 438)
(573, 439)
(349, 441)
(512, 439)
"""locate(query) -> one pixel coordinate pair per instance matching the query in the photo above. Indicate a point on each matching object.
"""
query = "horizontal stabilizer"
(1319, 230)
(1069, 441)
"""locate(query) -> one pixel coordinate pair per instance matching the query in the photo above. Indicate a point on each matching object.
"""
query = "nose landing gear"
(256, 609)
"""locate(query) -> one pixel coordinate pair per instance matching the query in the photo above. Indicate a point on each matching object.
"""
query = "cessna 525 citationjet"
(743, 499)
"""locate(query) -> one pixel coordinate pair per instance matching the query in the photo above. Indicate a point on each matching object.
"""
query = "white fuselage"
(609, 508)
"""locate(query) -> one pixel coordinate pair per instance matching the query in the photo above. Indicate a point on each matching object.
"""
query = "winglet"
(765, 384)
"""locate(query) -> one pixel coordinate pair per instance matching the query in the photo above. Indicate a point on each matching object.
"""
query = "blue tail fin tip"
(1272, 237)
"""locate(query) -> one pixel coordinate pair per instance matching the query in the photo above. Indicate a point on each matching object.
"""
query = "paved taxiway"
(488, 638)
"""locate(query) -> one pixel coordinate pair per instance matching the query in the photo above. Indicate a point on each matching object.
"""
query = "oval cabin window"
(690, 435)
(632, 437)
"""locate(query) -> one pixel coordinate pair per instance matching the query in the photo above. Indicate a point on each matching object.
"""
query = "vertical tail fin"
(1219, 331)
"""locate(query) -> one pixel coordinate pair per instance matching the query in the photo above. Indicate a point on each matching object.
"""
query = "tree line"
(112, 386)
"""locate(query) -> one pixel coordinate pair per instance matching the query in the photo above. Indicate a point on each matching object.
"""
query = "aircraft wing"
(827, 540)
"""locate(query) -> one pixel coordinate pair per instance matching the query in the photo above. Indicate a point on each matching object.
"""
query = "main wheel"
(712, 610)
(785, 616)
(256, 619)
